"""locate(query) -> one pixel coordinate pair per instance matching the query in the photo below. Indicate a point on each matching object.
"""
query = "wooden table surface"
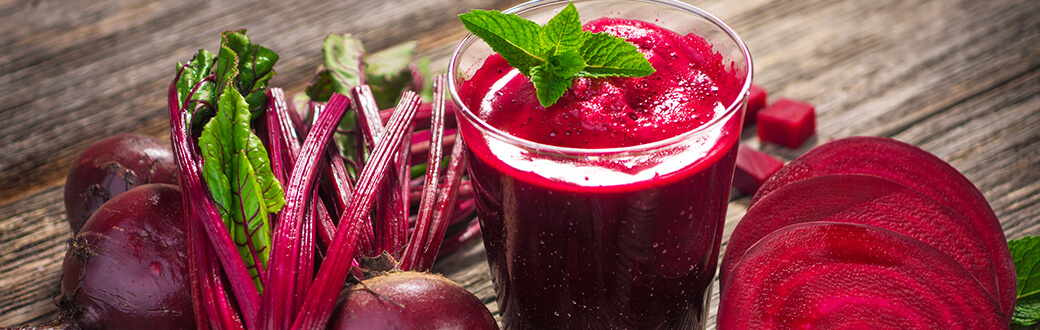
(960, 79)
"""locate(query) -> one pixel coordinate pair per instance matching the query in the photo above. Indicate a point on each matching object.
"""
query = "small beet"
(410, 300)
(111, 166)
(866, 200)
(915, 168)
(127, 268)
(753, 168)
(825, 275)
(757, 99)
(787, 122)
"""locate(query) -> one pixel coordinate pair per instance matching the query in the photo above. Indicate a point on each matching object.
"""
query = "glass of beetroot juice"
(605, 210)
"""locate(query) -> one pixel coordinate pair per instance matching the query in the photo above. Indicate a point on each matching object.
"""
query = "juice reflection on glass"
(605, 210)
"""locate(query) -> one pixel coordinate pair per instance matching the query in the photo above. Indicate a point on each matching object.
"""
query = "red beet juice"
(605, 210)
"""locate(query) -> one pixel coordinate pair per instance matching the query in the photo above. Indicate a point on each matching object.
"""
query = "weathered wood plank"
(75, 71)
(33, 236)
(958, 78)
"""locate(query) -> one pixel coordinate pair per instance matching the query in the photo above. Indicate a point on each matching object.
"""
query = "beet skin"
(127, 268)
(112, 166)
(410, 300)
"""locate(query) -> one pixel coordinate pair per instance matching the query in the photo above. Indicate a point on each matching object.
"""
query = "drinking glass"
(608, 238)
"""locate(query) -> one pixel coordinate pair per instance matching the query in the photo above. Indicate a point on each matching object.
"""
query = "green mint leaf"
(513, 37)
(552, 79)
(1025, 253)
(389, 73)
(563, 32)
(610, 56)
(1027, 311)
(546, 54)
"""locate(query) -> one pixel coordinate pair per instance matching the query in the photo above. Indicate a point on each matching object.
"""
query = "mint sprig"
(554, 54)
(1025, 253)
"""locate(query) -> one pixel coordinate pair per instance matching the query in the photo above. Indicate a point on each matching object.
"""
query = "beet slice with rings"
(915, 168)
(866, 200)
(827, 275)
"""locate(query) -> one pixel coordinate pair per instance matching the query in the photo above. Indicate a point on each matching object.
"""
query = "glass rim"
(573, 151)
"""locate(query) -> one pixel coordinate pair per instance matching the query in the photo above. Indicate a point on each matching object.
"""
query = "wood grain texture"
(959, 78)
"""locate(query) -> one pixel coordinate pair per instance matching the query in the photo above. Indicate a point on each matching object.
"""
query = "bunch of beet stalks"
(326, 226)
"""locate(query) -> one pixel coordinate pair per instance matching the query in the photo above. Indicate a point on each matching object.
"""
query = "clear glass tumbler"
(608, 238)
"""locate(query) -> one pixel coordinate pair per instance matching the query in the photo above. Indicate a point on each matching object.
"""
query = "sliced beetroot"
(825, 275)
(786, 122)
(410, 300)
(757, 98)
(753, 168)
(866, 200)
(111, 166)
(127, 267)
(915, 168)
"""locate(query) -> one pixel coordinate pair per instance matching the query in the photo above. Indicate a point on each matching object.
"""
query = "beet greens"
(285, 253)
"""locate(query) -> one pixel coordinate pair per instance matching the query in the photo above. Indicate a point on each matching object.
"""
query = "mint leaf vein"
(1025, 253)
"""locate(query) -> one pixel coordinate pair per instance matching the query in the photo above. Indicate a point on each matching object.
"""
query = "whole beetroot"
(127, 268)
(410, 300)
(111, 166)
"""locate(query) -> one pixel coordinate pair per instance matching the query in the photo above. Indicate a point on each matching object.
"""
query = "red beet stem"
(424, 228)
(321, 298)
(280, 297)
(392, 213)
(203, 207)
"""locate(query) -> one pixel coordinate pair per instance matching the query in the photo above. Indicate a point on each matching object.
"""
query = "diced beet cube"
(787, 122)
(753, 168)
(756, 101)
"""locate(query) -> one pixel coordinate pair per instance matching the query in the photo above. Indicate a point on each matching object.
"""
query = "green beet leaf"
(255, 68)
(238, 172)
(252, 231)
(340, 71)
(230, 92)
(426, 90)
(388, 72)
(246, 141)
(196, 70)
(217, 147)
(1026, 255)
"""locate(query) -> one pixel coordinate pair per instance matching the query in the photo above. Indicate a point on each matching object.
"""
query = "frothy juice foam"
(584, 239)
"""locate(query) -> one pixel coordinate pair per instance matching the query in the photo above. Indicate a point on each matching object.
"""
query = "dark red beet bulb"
(127, 268)
(111, 166)
(410, 300)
